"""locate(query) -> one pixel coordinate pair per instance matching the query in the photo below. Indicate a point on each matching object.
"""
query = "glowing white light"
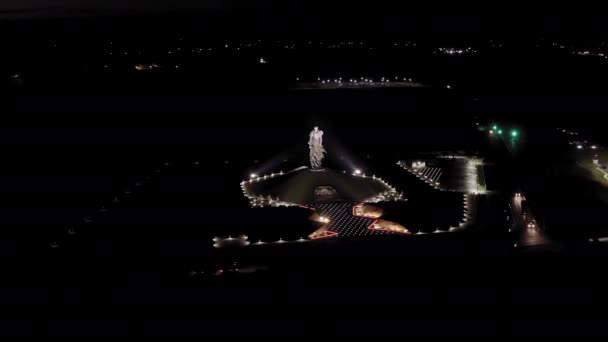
(593, 147)
(580, 147)
(253, 175)
(357, 171)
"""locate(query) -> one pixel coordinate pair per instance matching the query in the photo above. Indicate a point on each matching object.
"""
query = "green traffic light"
(494, 127)
(500, 131)
(514, 133)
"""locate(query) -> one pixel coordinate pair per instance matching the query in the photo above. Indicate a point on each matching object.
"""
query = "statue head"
(316, 128)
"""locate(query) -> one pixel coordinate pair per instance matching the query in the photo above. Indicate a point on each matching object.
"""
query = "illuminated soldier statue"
(315, 144)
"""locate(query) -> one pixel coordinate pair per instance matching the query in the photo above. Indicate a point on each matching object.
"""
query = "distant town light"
(357, 171)
(580, 147)
(253, 175)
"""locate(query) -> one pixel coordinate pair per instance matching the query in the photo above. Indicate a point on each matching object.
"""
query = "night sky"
(131, 4)
(345, 16)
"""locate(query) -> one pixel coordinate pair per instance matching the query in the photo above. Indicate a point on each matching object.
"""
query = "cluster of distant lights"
(254, 44)
(590, 53)
(361, 80)
(514, 133)
(565, 131)
(580, 145)
(290, 45)
(286, 45)
(456, 51)
(584, 52)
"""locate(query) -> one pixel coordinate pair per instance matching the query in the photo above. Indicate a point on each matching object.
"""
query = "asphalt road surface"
(526, 229)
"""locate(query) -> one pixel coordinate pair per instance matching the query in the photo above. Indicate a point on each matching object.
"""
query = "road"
(526, 229)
